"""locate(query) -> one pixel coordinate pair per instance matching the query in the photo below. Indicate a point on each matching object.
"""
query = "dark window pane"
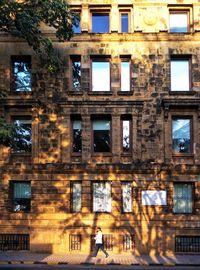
(21, 75)
(124, 23)
(22, 141)
(76, 75)
(181, 135)
(101, 136)
(77, 28)
(21, 197)
(100, 23)
(77, 136)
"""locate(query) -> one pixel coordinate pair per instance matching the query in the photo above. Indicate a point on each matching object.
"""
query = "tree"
(22, 18)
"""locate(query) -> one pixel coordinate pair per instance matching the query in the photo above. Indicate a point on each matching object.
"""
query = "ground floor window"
(14, 242)
(128, 242)
(75, 242)
(187, 244)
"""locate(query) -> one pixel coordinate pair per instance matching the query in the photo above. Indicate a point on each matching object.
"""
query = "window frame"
(193, 196)
(102, 182)
(100, 118)
(103, 59)
(12, 183)
(75, 58)
(126, 118)
(78, 12)
(100, 12)
(182, 58)
(181, 11)
(125, 59)
(189, 117)
(20, 58)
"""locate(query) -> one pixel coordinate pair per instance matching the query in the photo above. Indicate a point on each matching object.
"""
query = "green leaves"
(23, 18)
(6, 132)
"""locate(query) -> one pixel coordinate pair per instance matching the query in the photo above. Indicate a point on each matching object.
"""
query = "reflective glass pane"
(21, 197)
(101, 136)
(183, 198)
(22, 141)
(180, 75)
(102, 197)
(76, 197)
(127, 197)
(76, 75)
(125, 76)
(100, 23)
(124, 23)
(100, 76)
(178, 22)
(21, 75)
(126, 135)
(181, 135)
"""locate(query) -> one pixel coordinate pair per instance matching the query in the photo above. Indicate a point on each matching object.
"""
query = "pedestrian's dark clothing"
(97, 248)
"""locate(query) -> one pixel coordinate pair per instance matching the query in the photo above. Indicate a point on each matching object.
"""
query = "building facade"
(112, 140)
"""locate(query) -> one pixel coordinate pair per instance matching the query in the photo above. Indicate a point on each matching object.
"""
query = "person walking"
(99, 243)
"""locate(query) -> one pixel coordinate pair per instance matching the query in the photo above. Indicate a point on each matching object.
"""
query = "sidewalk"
(24, 257)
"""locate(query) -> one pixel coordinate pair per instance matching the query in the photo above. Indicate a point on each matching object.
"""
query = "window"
(21, 73)
(183, 201)
(101, 135)
(102, 197)
(76, 73)
(22, 140)
(75, 242)
(127, 197)
(125, 74)
(180, 74)
(77, 27)
(124, 22)
(76, 196)
(100, 75)
(186, 243)
(179, 21)
(100, 23)
(21, 196)
(14, 242)
(126, 134)
(77, 136)
(128, 242)
(181, 135)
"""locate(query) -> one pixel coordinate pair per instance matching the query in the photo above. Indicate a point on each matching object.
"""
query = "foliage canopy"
(22, 18)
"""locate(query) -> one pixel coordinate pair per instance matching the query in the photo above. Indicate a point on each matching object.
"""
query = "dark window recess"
(128, 242)
(21, 197)
(76, 74)
(108, 242)
(101, 136)
(124, 22)
(21, 74)
(77, 136)
(14, 242)
(100, 23)
(190, 244)
(75, 242)
(22, 139)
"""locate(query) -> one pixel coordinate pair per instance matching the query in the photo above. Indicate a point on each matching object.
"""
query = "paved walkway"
(24, 257)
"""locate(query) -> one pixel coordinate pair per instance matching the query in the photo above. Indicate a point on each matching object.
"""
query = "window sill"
(126, 154)
(188, 93)
(20, 154)
(182, 155)
(99, 93)
(125, 93)
(21, 93)
(103, 154)
(74, 93)
(76, 154)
